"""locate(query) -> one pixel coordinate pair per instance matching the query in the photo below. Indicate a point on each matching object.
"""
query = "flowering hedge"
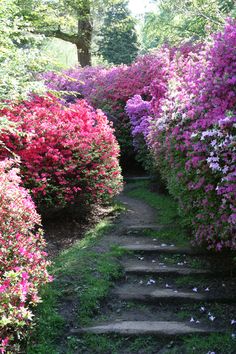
(23, 264)
(181, 102)
(140, 114)
(193, 139)
(109, 89)
(68, 153)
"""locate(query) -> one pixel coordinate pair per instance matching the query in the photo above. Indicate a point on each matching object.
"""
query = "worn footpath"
(168, 291)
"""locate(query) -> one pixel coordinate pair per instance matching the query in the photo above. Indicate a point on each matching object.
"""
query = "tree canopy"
(118, 38)
(69, 20)
(177, 21)
(20, 58)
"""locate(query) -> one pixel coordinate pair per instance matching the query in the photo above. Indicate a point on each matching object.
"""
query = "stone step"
(148, 294)
(163, 248)
(146, 268)
(143, 178)
(140, 228)
(155, 328)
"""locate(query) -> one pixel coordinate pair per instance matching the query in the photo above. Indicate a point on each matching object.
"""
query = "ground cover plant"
(68, 153)
(23, 263)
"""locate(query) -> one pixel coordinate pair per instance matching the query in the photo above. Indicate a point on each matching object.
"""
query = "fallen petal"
(212, 318)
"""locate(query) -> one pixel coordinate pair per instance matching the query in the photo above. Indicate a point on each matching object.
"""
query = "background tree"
(20, 58)
(191, 20)
(118, 39)
(69, 20)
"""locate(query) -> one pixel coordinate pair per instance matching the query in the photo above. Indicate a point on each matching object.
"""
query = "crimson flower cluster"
(68, 153)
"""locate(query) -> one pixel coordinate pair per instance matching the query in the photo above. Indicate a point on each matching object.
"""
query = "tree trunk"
(84, 56)
(85, 29)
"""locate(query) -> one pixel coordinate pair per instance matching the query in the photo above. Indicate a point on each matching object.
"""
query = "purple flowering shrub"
(193, 139)
(110, 89)
(140, 113)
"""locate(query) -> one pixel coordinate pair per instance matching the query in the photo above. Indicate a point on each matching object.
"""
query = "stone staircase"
(143, 262)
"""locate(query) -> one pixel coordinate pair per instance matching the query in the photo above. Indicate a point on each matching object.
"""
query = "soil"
(63, 230)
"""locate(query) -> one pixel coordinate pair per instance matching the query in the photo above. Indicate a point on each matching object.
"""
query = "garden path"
(168, 291)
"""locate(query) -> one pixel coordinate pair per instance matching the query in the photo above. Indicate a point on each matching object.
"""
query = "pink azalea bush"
(68, 153)
(109, 89)
(193, 139)
(23, 264)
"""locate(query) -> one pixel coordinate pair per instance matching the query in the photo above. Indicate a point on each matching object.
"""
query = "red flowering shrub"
(68, 153)
(23, 265)
(193, 138)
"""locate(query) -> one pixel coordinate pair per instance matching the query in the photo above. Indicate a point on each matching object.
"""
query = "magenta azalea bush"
(193, 139)
(141, 114)
(68, 153)
(23, 264)
(109, 89)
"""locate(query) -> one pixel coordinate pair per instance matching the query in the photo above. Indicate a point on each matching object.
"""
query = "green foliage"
(167, 213)
(118, 43)
(177, 21)
(82, 274)
(20, 55)
(72, 21)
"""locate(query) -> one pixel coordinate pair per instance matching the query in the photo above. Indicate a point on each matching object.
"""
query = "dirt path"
(168, 292)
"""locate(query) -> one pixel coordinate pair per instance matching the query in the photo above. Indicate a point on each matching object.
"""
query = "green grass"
(104, 344)
(167, 214)
(218, 343)
(83, 274)
(165, 206)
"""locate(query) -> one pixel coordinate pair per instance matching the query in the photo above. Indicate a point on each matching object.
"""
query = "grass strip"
(167, 214)
(82, 276)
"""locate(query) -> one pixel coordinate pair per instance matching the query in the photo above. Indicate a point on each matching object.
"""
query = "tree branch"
(72, 38)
